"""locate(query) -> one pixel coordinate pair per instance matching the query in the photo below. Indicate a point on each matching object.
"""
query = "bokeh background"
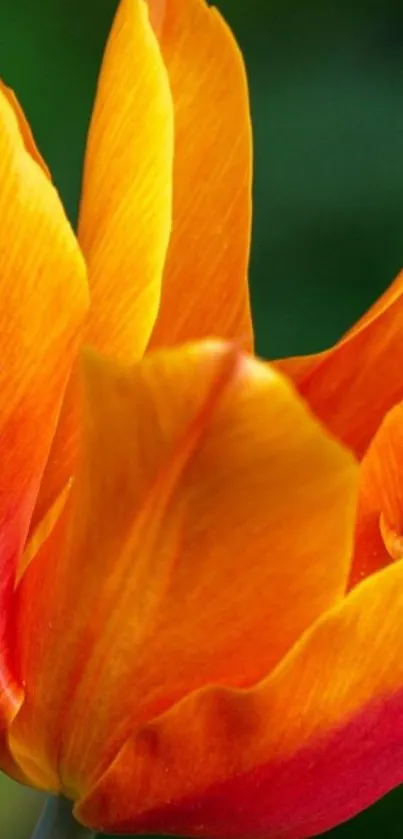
(326, 79)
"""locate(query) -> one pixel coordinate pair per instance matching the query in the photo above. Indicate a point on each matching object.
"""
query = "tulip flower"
(183, 650)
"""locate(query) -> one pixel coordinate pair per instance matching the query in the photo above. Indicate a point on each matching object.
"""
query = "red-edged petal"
(314, 744)
(43, 299)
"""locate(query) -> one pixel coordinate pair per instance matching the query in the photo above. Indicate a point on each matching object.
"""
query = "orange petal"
(43, 298)
(205, 288)
(353, 385)
(379, 538)
(318, 741)
(210, 503)
(125, 216)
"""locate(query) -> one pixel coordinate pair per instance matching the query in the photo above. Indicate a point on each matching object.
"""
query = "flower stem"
(57, 822)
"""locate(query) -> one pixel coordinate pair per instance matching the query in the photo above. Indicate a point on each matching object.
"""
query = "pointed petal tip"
(25, 128)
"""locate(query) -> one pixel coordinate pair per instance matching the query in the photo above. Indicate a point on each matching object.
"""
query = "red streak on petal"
(319, 787)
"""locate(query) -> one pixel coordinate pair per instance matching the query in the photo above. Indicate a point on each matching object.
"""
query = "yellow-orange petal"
(205, 286)
(212, 522)
(353, 385)
(319, 740)
(43, 298)
(379, 536)
(125, 215)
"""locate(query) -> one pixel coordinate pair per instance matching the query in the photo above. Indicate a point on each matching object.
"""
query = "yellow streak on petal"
(43, 530)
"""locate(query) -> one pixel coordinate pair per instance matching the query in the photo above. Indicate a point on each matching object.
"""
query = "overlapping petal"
(319, 740)
(125, 215)
(353, 385)
(43, 301)
(205, 286)
(210, 525)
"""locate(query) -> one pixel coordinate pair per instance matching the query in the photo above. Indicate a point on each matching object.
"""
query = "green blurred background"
(326, 82)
